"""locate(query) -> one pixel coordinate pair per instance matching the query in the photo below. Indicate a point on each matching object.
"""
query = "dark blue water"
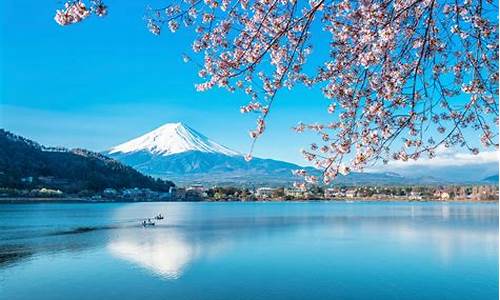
(311, 250)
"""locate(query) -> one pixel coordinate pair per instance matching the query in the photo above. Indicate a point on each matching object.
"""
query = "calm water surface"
(313, 250)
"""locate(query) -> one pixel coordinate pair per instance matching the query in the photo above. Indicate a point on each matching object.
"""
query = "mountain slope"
(197, 166)
(68, 170)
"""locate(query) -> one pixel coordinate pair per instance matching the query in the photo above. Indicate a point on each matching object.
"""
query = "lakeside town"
(199, 192)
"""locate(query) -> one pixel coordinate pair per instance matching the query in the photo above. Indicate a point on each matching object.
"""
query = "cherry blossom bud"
(173, 26)
(331, 108)
(253, 134)
(153, 28)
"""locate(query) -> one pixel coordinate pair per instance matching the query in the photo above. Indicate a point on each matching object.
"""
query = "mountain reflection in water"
(166, 256)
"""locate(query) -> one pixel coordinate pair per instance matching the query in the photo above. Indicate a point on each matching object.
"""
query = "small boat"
(159, 217)
(148, 222)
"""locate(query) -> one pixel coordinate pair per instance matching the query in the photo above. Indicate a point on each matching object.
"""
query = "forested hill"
(27, 164)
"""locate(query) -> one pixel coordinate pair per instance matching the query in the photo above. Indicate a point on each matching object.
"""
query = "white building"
(197, 188)
(294, 192)
(264, 192)
(350, 193)
(333, 193)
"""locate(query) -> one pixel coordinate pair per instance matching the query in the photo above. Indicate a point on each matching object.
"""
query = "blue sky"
(107, 80)
(104, 81)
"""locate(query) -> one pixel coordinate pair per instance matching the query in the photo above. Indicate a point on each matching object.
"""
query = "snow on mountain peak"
(172, 138)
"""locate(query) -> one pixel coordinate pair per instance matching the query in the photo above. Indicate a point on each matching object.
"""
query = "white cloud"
(445, 157)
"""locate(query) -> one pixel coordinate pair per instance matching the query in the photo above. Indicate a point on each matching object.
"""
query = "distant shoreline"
(88, 200)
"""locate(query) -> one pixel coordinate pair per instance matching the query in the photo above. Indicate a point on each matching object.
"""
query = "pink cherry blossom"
(77, 11)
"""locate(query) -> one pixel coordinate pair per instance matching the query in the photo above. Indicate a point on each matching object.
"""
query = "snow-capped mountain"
(180, 153)
(172, 138)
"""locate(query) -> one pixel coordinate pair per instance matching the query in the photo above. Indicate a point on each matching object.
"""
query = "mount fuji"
(180, 153)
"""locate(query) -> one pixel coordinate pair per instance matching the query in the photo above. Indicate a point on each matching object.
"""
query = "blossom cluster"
(77, 11)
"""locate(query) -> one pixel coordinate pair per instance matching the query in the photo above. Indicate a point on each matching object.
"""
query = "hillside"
(491, 179)
(27, 164)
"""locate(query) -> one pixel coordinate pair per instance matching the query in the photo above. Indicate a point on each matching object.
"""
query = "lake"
(259, 250)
